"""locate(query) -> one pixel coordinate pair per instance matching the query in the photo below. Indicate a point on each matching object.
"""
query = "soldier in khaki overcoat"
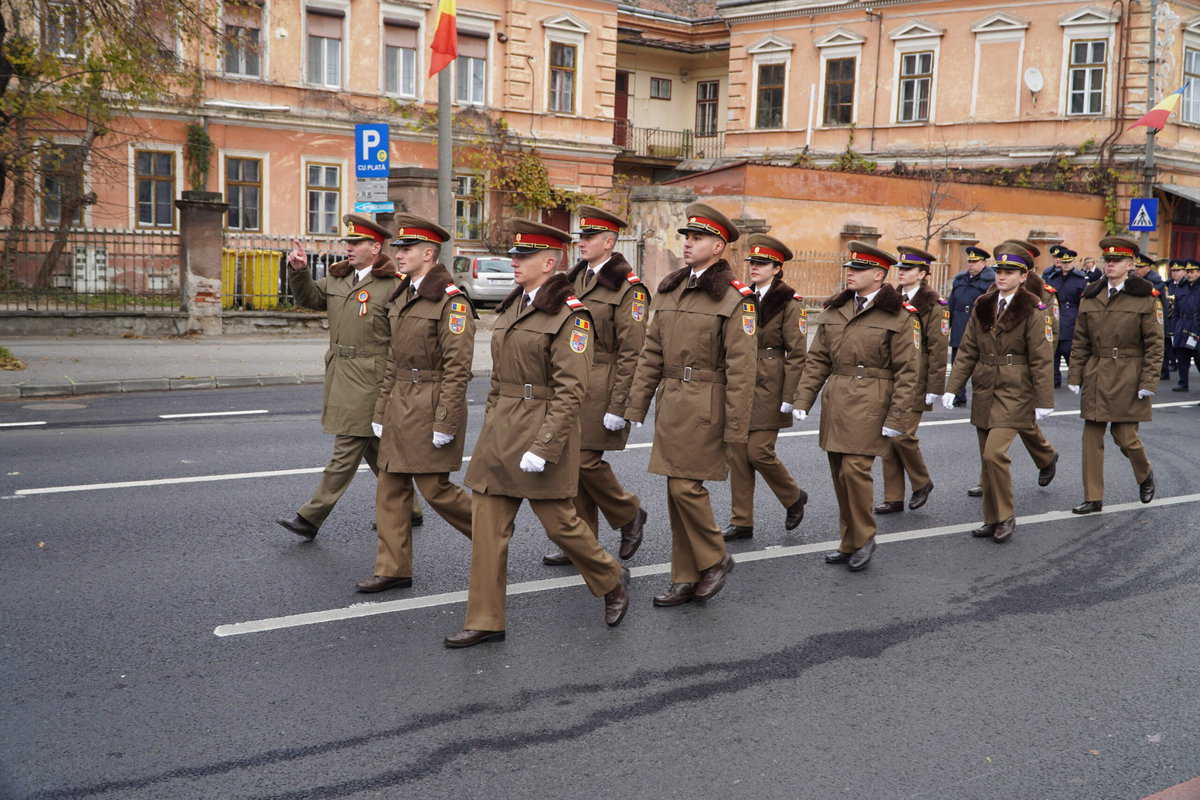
(355, 294)
(904, 452)
(1116, 356)
(698, 366)
(529, 446)
(782, 343)
(864, 364)
(1006, 353)
(421, 414)
(619, 304)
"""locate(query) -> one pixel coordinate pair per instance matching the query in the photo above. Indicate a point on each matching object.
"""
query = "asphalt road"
(1061, 665)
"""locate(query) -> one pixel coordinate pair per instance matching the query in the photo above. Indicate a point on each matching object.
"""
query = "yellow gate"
(250, 279)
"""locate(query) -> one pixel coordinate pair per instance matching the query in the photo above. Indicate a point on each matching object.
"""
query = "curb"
(20, 390)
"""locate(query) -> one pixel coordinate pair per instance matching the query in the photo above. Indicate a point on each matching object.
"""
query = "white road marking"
(19, 424)
(528, 587)
(213, 414)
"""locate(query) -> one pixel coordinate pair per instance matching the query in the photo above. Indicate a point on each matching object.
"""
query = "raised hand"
(297, 258)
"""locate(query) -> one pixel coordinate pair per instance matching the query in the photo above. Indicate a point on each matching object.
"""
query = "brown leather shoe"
(616, 602)
(795, 512)
(631, 535)
(1046, 475)
(734, 532)
(381, 583)
(300, 526)
(986, 529)
(556, 559)
(468, 638)
(889, 507)
(919, 496)
(676, 595)
(712, 580)
(975, 491)
(1004, 530)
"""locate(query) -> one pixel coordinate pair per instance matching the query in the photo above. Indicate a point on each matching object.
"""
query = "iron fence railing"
(255, 273)
(664, 143)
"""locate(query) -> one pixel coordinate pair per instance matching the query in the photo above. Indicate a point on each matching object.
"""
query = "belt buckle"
(527, 391)
(416, 375)
(345, 350)
(1115, 352)
(1008, 357)
(687, 373)
(860, 371)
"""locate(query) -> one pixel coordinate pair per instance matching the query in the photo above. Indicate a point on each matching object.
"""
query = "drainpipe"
(878, 42)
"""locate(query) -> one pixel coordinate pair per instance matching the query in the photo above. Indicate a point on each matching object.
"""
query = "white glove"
(800, 414)
(634, 424)
(532, 463)
(612, 422)
(785, 408)
(442, 439)
(1144, 393)
(1040, 414)
(930, 399)
(377, 429)
(948, 400)
(891, 433)
(1074, 388)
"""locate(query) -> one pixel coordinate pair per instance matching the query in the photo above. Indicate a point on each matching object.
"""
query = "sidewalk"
(90, 365)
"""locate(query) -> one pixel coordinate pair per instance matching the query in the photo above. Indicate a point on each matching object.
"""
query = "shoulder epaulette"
(911, 307)
(1051, 289)
(574, 303)
(943, 301)
(633, 278)
(452, 290)
(741, 287)
(796, 296)
(1154, 292)
(1041, 305)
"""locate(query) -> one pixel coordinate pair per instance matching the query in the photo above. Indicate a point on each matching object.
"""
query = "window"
(400, 59)
(323, 188)
(60, 29)
(916, 81)
(1089, 59)
(324, 50)
(470, 70)
(562, 78)
(243, 192)
(62, 184)
(707, 94)
(769, 105)
(468, 210)
(1191, 77)
(241, 51)
(660, 88)
(839, 91)
(154, 188)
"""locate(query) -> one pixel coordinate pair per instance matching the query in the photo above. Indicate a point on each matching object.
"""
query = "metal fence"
(255, 274)
(663, 143)
(816, 275)
(90, 269)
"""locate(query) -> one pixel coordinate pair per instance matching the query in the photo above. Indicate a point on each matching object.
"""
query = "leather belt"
(1120, 352)
(526, 391)
(769, 349)
(350, 351)
(690, 374)
(420, 375)
(1006, 360)
(860, 371)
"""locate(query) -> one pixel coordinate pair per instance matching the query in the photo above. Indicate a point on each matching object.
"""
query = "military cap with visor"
(914, 257)
(706, 219)
(865, 256)
(1029, 247)
(596, 220)
(358, 228)
(534, 237)
(764, 249)
(975, 254)
(412, 230)
(1012, 256)
(1116, 248)
(1064, 254)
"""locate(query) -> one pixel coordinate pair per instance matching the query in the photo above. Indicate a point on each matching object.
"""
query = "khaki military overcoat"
(782, 345)
(933, 311)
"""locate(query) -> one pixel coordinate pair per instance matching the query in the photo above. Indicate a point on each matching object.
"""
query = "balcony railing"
(667, 144)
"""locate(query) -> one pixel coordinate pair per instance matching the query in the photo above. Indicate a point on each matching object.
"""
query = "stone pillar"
(201, 236)
(852, 231)
(952, 259)
(658, 211)
(414, 191)
(735, 254)
(1043, 240)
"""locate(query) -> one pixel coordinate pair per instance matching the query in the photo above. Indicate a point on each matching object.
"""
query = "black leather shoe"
(300, 526)
(631, 535)
(1146, 489)
(975, 491)
(1004, 530)
(1179, 388)
(919, 496)
(862, 556)
(712, 580)
(837, 557)
(381, 583)
(467, 638)
(889, 507)
(616, 602)
(986, 529)
(676, 595)
(795, 512)
(1046, 475)
(959, 402)
(556, 559)
(733, 532)
(1088, 507)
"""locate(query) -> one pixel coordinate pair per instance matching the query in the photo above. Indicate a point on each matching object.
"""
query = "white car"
(483, 278)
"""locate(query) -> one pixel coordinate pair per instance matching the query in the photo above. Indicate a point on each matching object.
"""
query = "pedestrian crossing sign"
(1143, 214)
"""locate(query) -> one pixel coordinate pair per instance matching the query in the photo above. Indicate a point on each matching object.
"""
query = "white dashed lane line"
(213, 414)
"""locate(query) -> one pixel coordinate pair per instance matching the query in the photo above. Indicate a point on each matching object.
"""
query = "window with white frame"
(324, 48)
(1191, 77)
(660, 88)
(154, 188)
(1085, 76)
(470, 69)
(916, 86)
(60, 29)
(62, 184)
(243, 193)
(562, 77)
(323, 194)
(468, 209)
(243, 39)
(400, 58)
(770, 95)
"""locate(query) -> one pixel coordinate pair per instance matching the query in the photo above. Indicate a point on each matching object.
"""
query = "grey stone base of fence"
(150, 323)
(18, 391)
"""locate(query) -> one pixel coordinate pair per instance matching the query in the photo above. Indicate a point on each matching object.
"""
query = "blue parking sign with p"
(371, 150)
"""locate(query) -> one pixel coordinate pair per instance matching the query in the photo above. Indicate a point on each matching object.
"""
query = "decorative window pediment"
(999, 23)
(841, 38)
(1088, 16)
(772, 44)
(1192, 25)
(568, 23)
(917, 30)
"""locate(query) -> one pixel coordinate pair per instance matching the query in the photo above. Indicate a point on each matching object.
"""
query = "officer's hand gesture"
(297, 258)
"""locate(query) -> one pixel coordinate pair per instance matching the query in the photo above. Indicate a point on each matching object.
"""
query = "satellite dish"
(1033, 80)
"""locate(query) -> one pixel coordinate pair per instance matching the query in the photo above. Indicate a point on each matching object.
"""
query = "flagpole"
(1148, 160)
(445, 157)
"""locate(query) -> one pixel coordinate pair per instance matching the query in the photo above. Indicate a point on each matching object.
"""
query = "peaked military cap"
(1029, 247)
(1115, 248)
(1191, 263)
(532, 237)
(977, 254)
(763, 248)
(914, 257)
(706, 219)
(414, 230)
(865, 256)
(359, 228)
(597, 220)
(1143, 260)
(1010, 255)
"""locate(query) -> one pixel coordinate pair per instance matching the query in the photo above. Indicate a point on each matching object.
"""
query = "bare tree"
(941, 207)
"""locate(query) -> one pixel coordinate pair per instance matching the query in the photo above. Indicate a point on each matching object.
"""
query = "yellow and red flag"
(1156, 117)
(445, 37)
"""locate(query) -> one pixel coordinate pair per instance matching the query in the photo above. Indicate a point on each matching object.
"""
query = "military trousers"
(996, 478)
(1040, 449)
(855, 490)
(1125, 434)
(757, 454)
(601, 492)
(904, 456)
(696, 542)
(492, 517)
(394, 498)
(348, 453)
(1063, 351)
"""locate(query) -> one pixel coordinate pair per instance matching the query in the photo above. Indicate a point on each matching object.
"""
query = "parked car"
(484, 278)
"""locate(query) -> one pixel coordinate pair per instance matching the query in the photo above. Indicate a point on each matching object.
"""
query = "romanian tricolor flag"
(1156, 117)
(445, 38)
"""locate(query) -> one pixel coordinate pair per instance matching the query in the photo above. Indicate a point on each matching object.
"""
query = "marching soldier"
(1187, 323)
(421, 413)
(1175, 272)
(782, 343)
(865, 357)
(1145, 267)
(968, 285)
(1118, 350)
(1006, 354)
(619, 304)
(355, 294)
(1068, 284)
(529, 446)
(904, 451)
(701, 349)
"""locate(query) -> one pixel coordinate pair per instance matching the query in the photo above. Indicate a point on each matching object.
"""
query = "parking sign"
(371, 150)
